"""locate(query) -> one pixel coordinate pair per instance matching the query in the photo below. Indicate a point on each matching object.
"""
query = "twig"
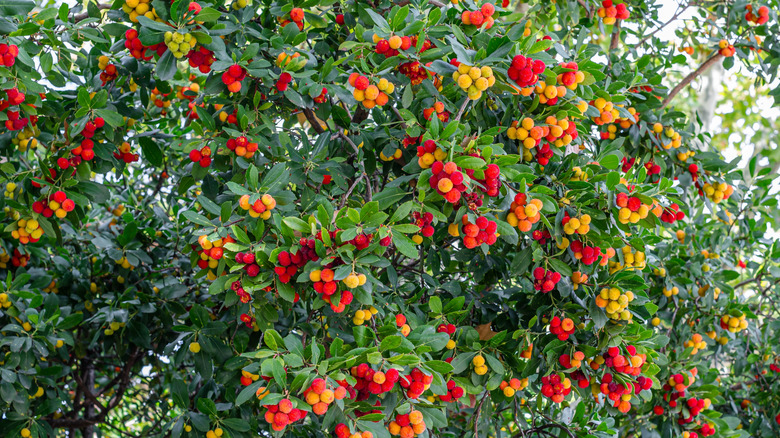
(704, 67)
(674, 17)
(351, 188)
(84, 15)
(462, 109)
(398, 114)
(436, 3)
(479, 409)
(589, 9)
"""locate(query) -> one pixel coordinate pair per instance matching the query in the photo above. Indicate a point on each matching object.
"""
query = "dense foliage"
(368, 219)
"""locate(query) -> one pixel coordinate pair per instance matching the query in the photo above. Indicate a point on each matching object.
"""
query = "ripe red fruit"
(340, 19)
(361, 82)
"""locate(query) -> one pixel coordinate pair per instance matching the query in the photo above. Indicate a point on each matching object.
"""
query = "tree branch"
(84, 15)
(674, 17)
(313, 120)
(462, 109)
(687, 80)
(615, 37)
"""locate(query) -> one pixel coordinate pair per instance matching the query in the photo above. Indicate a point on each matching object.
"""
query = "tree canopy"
(365, 219)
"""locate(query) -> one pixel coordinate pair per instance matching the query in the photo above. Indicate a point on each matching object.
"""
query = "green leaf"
(207, 15)
(151, 151)
(166, 66)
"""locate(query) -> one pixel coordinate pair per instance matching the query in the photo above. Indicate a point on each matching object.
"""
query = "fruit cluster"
(137, 8)
(608, 111)
(56, 204)
(319, 396)
(483, 230)
(249, 261)
(210, 253)
(579, 225)
(474, 80)
(523, 213)
(282, 414)
(577, 279)
(108, 72)
(369, 381)
(201, 156)
(447, 180)
(201, 58)
(248, 378)
(408, 425)
(342, 431)
(572, 76)
(15, 98)
(545, 280)
(734, 324)
(632, 260)
(429, 153)
(413, 69)
(415, 383)
(726, 49)
(525, 71)
(590, 254)
(362, 316)
(489, 183)
(390, 47)
(296, 16)
(610, 13)
(261, 207)
(571, 360)
(563, 328)
(422, 221)
(233, 76)
(632, 210)
(672, 214)
(454, 392)
(27, 230)
(481, 17)
(138, 51)
(242, 146)
(480, 367)
(160, 99)
(668, 137)
(761, 18)
(369, 94)
(512, 386)
(438, 109)
(354, 280)
(556, 388)
(548, 93)
(615, 302)
(8, 54)
(717, 192)
(179, 43)
(400, 322)
(125, 153)
(26, 138)
(696, 343)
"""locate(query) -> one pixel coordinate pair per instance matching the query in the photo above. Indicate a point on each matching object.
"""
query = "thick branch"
(315, 124)
(615, 37)
(694, 74)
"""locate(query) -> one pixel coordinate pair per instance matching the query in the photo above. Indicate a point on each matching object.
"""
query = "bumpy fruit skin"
(194, 347)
